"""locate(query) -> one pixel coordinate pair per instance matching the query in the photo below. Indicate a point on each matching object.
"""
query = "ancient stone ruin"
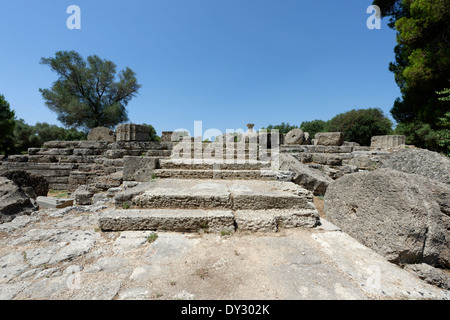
(294, 169)
(250, 182)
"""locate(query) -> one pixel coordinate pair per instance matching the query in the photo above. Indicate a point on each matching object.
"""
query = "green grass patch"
(58, 193)
(152, 237)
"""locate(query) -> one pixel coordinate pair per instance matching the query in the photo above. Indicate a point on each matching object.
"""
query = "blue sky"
(224, 62)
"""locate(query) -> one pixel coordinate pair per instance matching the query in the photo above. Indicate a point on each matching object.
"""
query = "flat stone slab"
(210, 164)
(171, 220)
(208, 220)
(263, 174)
(295, 264)
(221, 194)
(52, 203)
(273, 220)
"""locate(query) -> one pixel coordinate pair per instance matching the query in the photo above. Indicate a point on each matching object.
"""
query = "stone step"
(206, 164)
(217, 194)
(212, 155)
(215, 174)
(183, 220)
(274, 220)
(159, 153)
(168, 220)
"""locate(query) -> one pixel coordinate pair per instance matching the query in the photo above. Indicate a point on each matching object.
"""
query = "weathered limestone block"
(311, 179)
(273, 220)
(53, 151)
(330, 149)
(159, 153)
(361, 148)
(112, 162)
(307, 140)
(296, 136)
(13, 201)
(62, 144)
(78, 159)
(78, 178)
(364, 162)
(303, 157)
(404, 217)
(387, 142)
(33, 185)
(83, 195)
(166, 136)
(87, 152)
(43, 159)
(170, 220)
(102, 134)
(139, 168)
(92, 145)
(132, 132)
(431, 275)
(336, 172)
(116, 153)
(329, 139)
(173, 136)
(351, 144)
(329, 159)
(420, 161)
(50, 202)
(57, 180)
(18, 158)
(91, 167)
(33, 151)
(105, 182)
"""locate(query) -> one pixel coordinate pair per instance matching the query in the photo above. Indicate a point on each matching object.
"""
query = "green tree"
(7, 122)
(153, 135)
(49, 132)
(444, 92)
(419, 133)
(422, 64)
(361, 125)
(88, 94)
(282, 128)
(443, 133)
(313, 127)
(23, 137)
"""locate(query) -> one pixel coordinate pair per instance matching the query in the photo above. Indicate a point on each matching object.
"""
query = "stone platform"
(217, 205)
(218, 169)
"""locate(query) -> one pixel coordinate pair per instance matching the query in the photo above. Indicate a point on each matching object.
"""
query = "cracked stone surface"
(65, 256)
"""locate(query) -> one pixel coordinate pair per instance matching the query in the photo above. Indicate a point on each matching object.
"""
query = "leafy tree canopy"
(153, 134)
(422, 64)
(282, 128)
(361, 125)
(25, 136)
(7, 117)
(313, 127)
(7, 122)
(88, 94)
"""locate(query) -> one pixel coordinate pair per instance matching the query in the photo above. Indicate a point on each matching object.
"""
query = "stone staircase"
(215, 196)
(213, 169)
